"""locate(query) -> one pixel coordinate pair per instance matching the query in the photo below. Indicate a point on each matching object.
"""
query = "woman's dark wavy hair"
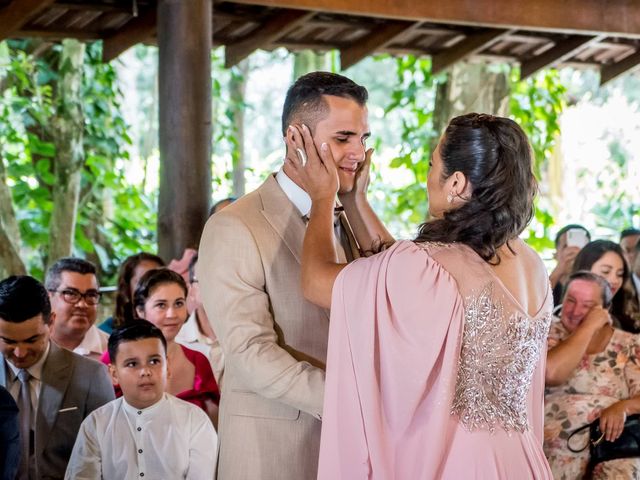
(152, 279)
(590, 254)
(124, 311)
(494, 155)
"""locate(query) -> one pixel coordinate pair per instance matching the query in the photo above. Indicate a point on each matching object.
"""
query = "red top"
(204, 383)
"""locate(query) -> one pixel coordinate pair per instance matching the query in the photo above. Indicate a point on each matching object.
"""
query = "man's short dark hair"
(132, 331)
(67, 264)
(305, 97)
(605, 288)
(628, 232)
(23, 297)
(571, 226)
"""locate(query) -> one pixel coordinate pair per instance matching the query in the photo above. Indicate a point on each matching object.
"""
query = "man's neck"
(70, 342)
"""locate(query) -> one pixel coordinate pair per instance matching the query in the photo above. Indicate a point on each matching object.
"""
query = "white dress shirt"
(95, 342)
(35, 383)
(171, 440)
(297, 195)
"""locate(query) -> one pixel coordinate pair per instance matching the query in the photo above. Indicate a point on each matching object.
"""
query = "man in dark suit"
(54, 388)
(9, 436)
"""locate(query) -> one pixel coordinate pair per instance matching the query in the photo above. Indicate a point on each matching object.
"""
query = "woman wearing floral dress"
(592, 372)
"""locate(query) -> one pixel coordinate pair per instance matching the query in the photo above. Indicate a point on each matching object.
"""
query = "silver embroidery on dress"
(497, 361)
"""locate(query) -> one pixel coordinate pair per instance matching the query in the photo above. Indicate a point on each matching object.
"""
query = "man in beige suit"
(275, 342)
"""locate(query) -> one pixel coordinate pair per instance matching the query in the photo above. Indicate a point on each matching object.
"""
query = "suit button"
(139, 429)
(140, 451)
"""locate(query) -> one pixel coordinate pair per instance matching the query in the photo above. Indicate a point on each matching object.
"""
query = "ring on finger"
(302, 156)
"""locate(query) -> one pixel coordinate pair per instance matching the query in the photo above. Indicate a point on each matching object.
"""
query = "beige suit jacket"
(274, 341)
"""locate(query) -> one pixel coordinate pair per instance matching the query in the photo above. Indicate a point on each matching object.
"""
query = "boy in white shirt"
(147, 433)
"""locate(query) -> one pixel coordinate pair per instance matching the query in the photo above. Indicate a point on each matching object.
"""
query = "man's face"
(581, 296)
(73, 319)
(140, 368)
(24, 343)
(628, 245)
(345, 129)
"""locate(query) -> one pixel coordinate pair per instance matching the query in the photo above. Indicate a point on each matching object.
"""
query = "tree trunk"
(67, 131)
(237, 90)
(10, 261)
(471, 87)
(307, 61)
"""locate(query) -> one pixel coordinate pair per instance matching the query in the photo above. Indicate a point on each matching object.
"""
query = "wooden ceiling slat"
(472, 44)
(377, 39)
(611, 72)
(613, 17)
(18, 13)
(276, 27)
(136, 31)
(561, 52)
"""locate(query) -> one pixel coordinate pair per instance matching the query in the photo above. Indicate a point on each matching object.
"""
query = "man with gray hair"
(73, 289)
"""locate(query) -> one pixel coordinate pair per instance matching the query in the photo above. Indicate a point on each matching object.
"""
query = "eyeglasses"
(73, 296)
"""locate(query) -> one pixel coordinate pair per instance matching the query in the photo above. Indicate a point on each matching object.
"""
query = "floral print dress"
(600, 380)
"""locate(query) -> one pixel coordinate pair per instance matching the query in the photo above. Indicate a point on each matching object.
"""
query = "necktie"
(338, 230)
(24, 405)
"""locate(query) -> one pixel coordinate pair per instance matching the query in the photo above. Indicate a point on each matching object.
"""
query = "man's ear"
(140, 312)
(113, 373)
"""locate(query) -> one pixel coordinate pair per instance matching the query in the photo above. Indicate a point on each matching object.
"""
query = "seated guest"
(146, 432)
(605, 258)
(73, 288)
(9, 436)
(592, 372)
(565, 254)
(221, 204)
(197, 333)
(54, 388)
(629, 238)
(632, 290)
(160, 298)
(130, 272)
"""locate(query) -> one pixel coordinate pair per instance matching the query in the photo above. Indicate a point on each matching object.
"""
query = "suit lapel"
(56, 374)
(283, 216)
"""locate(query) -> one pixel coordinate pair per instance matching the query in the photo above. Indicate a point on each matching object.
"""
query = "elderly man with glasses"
(73, 289)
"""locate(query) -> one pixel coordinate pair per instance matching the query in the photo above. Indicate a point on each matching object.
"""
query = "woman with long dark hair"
(437, 345)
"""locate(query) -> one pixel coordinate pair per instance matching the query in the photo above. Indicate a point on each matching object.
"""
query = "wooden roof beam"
(273, 29)
(18, 13)
(614, 17)
(564, 50)
(627, 64)
(471, 45)
(137, 30)
(379, 38)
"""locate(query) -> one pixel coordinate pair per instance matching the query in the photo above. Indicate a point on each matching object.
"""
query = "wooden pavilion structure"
(604, 34)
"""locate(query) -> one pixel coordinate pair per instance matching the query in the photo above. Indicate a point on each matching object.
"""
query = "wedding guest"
(593, 371)
(565, 255)
(146, 432)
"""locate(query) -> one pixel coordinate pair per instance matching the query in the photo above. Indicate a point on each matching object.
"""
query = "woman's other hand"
(362, 180)
(612, 420)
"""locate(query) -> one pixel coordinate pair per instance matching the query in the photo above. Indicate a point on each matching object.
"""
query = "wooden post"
(184, 82)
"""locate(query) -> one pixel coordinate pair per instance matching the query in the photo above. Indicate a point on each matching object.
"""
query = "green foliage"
(115, 217)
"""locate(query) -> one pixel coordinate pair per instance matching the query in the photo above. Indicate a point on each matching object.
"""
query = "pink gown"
(433, 371)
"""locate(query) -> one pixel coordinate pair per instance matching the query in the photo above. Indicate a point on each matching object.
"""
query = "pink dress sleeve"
(394, 341)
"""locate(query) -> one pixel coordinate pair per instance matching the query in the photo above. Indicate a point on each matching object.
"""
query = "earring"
(450, 198)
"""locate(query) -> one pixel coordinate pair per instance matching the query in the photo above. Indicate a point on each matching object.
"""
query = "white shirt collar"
(297, 195)
(94, 341)
(34, 370)
(133, 411)
(190, 331)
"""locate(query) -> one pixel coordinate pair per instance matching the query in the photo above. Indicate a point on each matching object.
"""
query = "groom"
(275, 342)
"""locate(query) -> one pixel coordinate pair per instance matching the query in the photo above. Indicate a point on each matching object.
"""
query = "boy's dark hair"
(132, 331)
(67, 264)
(305, 97)
(23, 297)
(627, 232)
(566, 228)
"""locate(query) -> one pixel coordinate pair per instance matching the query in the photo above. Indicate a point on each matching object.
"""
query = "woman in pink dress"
(437, 346)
